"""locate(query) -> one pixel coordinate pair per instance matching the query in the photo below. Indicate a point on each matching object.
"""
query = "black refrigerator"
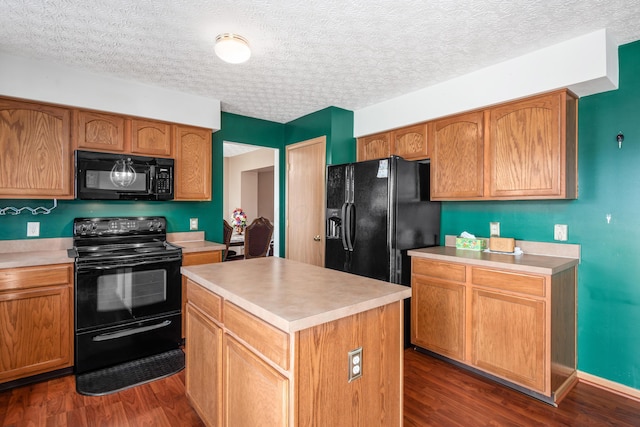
(377, 210)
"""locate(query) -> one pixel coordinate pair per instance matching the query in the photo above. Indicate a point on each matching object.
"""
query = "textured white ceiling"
(230, 149)
(307, 55)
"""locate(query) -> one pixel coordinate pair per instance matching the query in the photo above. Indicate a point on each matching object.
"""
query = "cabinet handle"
(317, 238)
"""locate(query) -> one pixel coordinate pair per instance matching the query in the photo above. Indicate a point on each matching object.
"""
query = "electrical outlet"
(494, 229)
(560, 232)
(355, 364)
(33, 229)
(193, 223)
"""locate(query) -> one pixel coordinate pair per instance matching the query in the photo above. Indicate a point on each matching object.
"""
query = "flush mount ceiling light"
(232, 48)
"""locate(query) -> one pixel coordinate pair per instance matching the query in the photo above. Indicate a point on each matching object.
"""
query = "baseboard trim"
(610, 386)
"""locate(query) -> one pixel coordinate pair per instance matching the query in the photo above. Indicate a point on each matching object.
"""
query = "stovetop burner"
(120, 238)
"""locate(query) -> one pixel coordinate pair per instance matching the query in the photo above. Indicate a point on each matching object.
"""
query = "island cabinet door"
(255, 393)
(203, 370)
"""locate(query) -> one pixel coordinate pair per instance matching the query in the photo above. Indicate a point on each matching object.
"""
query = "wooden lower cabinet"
(203, 372)
(438, 310)
(508, 337)
(264, 376)
(195, 258)
(255, 393)
(36, 326)
(519, 327)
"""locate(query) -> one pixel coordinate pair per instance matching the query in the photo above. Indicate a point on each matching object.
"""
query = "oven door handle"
(131, 331)
(132, 264)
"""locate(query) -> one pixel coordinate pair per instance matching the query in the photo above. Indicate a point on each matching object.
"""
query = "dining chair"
(227, 232)
(257, 238)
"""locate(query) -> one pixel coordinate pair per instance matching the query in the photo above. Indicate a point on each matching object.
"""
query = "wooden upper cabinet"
(100, 131)
(410, 143)
(150, 138)
(457, 158)
(374, 147)
(193, 163)
(532, 148)
(35, 157)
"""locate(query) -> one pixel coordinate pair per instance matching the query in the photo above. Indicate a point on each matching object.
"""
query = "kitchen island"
(275, 342)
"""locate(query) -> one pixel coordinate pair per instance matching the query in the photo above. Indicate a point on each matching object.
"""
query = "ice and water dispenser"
(334, 224)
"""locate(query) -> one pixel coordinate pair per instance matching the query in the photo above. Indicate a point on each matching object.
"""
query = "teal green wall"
(335, 123)
(59, 222)
(609, 183)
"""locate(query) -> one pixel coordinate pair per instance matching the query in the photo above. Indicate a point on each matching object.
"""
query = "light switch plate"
(494, 229)
(560, 232)
(33, 229)
(193, 223)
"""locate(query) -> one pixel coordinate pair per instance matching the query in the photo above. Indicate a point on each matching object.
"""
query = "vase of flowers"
(239, 220)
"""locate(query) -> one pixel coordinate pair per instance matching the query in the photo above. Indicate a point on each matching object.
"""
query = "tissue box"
(472, 244)
(502, 244)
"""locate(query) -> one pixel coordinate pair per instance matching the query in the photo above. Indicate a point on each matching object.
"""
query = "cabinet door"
(410, 143)
(457, 158)
(195, 258)
(36, 335)
(35, 159)
(150, 138)
(255, 393)
(374, 147)
(99, 131)
(437, 316)
(508, 338)
(193, 163)
(203, 366)
(527, 151)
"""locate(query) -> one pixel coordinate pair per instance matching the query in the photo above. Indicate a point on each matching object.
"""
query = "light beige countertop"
(533, 260)
(193, 241)
(291, 295)
(199, 246)
(48, 251)
(32, 252)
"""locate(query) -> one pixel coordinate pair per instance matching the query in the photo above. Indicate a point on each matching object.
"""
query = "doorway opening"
(250, 175)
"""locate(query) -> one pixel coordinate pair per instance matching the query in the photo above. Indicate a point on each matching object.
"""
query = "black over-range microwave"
(107, 176)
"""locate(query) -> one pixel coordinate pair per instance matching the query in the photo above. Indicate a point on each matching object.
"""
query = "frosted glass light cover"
(232, 48)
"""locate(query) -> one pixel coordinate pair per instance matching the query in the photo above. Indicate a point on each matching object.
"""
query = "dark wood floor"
(436, 394)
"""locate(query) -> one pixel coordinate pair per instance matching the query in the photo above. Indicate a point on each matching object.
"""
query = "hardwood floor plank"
(59, 420)
(436, 393)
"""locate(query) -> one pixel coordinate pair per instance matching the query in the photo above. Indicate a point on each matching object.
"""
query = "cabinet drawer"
(35, 277)
(514, 282)
(195, 258)
(206, 301)
(268, 340)
(439, 270)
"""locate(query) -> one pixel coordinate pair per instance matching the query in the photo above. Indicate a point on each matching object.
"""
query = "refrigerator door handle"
(350, 226)
(345, 226)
